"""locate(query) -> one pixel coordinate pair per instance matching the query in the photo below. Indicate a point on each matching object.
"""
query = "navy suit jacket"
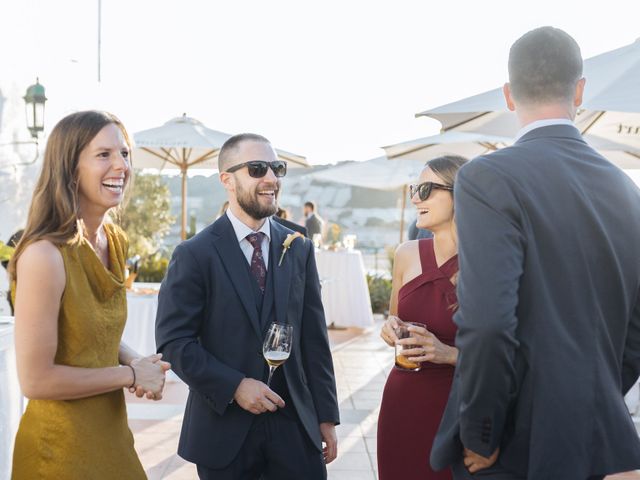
(291, 225)
(549, 317)
(208, 327)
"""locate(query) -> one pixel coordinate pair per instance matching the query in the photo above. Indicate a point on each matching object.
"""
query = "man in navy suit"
(223, 289)
(549, 317)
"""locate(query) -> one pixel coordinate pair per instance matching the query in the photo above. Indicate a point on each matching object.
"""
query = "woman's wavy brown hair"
(53, 214)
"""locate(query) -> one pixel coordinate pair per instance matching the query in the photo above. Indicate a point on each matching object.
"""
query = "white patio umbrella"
(382, 174)
(610, 113)
(452, 142)
(408, 161)
(379, 174)
(183, 143)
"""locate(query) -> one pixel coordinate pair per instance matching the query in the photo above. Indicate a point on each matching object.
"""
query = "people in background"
(282, 213)
(13, 243)
(282, 217)
(312, 222)
(223, 209)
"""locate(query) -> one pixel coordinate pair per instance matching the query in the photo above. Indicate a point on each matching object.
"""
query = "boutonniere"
(287, 244)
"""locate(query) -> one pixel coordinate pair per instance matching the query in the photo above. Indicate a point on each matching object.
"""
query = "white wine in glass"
(277, 346)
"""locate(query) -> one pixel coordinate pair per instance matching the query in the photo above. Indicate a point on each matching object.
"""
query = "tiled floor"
(361, 361)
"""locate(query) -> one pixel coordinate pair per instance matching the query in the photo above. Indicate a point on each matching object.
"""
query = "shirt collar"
(241, 230)
(543, 123)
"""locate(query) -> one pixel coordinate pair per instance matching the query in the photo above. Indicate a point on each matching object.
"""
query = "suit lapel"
(232, 258)
(281, 274)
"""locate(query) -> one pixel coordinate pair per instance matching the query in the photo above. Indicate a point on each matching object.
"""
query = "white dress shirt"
(241, 231)
(543, 123)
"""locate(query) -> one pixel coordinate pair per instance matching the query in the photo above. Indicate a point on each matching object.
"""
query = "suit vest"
(265, 304)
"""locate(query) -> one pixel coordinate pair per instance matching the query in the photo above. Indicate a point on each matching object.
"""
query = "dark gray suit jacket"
(313, 223)
(549, 318)
(209, 328)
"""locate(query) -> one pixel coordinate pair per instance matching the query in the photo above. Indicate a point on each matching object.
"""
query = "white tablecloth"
(345, 294)
(11, 400)
(139, 331)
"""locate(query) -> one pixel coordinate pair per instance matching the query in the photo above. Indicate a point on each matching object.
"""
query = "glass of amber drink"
(402, 363)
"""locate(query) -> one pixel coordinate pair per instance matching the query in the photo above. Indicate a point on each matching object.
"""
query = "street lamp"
(34, 104)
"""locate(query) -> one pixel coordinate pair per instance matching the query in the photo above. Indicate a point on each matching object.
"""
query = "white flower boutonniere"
(287, 244)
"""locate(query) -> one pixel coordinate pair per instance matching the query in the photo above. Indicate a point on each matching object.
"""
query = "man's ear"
(506, 90)
(228, 181)
(577, 98)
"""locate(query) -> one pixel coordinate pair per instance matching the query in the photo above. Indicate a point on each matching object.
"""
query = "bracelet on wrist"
(133, 370)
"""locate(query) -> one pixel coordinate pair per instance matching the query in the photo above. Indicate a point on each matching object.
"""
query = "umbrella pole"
(404, 204)
(183, 230)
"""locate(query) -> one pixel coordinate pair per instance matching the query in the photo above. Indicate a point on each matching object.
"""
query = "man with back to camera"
(548, 318)
(223, 289)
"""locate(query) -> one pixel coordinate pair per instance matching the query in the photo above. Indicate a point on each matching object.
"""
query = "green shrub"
(152, 268)
(379, 292)
(147, 217)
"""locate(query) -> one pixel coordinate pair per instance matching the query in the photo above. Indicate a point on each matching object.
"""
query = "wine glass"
(277, 346)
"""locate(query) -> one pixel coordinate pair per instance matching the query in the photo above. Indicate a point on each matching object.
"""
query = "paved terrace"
(362, 363)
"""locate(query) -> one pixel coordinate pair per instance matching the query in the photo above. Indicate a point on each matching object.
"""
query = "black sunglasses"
(259, 168)
(424, 189)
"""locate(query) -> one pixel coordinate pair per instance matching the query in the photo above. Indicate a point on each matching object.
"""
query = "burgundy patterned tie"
(258, 267)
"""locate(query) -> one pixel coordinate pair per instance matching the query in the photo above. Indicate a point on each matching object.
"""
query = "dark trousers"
(496, 472)
(276, 448)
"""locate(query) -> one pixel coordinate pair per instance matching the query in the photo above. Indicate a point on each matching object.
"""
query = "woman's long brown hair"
(446, 168)
(53, 214)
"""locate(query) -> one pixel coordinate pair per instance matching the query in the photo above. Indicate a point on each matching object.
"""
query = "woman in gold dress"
(70, 307)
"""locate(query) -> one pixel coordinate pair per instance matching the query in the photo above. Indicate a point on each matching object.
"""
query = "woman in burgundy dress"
(423, 292)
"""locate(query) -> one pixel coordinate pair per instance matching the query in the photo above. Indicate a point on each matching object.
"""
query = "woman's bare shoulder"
(406, 254)
(41, 256)
(407, 249)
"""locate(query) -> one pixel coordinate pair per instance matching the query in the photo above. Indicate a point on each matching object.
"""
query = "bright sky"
(332, 80)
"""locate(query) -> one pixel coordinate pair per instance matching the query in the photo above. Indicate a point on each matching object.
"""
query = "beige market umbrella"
(183, 143)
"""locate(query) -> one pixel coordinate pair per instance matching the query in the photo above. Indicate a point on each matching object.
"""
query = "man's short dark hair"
(226, 152)
(311, 205)
(544, 66)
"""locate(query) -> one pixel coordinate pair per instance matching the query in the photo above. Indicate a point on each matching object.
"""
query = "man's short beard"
(251, 203)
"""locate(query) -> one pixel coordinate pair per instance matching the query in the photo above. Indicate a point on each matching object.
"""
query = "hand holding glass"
(402, 363)
(277, 346)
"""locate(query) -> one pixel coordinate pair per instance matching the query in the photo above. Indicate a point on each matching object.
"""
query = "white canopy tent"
(609, 117)
(183, 143)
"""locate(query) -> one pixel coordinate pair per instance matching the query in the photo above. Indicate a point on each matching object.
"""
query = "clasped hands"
(150, 375)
